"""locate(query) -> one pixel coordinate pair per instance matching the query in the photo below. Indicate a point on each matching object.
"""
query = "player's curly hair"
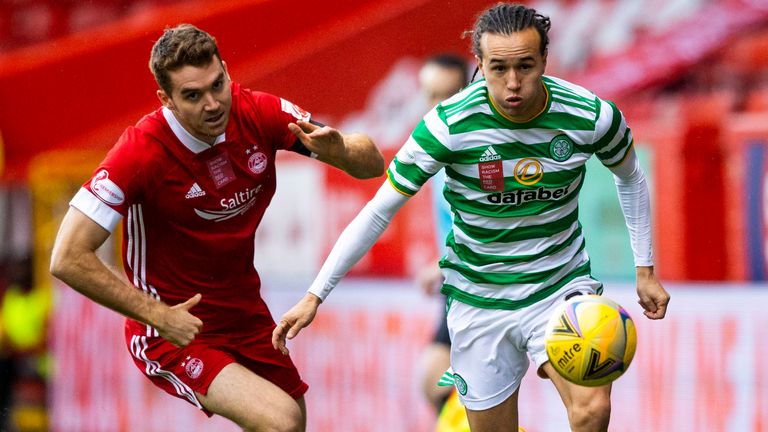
(183, 45)
(508, 18)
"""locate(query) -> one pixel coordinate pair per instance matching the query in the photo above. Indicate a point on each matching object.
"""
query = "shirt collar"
(194, 144)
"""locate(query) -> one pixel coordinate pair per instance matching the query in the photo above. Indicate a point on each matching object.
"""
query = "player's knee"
(286, 419)
(592, 415)
(284, 425)
(294, 423)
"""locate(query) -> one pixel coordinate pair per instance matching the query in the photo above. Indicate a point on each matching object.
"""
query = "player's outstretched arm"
(74, 261)
(356, 154)
(298, 317)
(356, 239)
(651, 294)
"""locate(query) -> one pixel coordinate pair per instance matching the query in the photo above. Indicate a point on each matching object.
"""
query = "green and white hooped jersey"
(513, 189)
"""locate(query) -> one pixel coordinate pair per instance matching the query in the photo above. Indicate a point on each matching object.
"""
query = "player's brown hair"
(508, 18)
(183, 45)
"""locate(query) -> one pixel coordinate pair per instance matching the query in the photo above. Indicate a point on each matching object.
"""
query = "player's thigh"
(488, 355)
(576, 397)
(501, 418)
(252, 401)
(536, 317)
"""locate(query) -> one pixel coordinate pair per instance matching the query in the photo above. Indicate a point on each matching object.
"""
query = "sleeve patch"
(94, 208)
(106, 190)
(294, 110)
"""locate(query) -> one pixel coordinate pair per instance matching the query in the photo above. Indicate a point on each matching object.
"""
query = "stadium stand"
(691, 75)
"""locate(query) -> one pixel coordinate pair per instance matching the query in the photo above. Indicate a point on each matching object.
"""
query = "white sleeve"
(94, 208)
(635, 203)
(357, 238)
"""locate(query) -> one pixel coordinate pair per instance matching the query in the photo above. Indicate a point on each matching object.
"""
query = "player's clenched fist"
(179, 326)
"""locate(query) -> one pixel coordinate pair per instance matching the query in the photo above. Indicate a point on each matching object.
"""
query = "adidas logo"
(194, 192)
(489, 155)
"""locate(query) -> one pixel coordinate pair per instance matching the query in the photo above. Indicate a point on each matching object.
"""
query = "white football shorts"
(490, 347)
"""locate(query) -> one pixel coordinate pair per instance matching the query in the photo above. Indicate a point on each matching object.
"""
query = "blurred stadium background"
(690, 75)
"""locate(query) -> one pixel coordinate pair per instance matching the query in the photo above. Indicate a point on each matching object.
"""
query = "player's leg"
(589, 408)
(489, 361)
(436, 359)
(256, 386)
(252, 402)
(501, 418)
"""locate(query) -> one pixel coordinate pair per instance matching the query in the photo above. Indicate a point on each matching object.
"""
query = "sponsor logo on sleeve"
(106, 190)
(294, 110)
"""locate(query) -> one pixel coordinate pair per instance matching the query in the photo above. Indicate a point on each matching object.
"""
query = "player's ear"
(544, 57)
(165, 99)
(479, 64)
(226, 71)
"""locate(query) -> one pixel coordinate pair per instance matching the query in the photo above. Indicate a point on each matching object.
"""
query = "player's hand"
(430, 279)
(652, 295)
(180, 327)
(324, 141)
(298, 317)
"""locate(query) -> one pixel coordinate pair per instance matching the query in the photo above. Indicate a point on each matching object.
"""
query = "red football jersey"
(191, 209)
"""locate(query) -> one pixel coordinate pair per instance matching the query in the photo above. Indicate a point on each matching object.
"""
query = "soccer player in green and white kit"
(514, 146)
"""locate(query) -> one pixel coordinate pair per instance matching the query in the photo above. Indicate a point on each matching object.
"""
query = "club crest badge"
(461, 385)
(257, 163)
(193, 368)
(561, 148)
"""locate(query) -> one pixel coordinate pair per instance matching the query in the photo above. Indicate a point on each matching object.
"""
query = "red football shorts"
(183, 371)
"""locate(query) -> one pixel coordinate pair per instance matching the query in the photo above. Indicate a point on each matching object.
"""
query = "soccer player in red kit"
(192, 181)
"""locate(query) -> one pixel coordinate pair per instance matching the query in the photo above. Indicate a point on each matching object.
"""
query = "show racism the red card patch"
(221, 170)
(491, 176)
(491, 171)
